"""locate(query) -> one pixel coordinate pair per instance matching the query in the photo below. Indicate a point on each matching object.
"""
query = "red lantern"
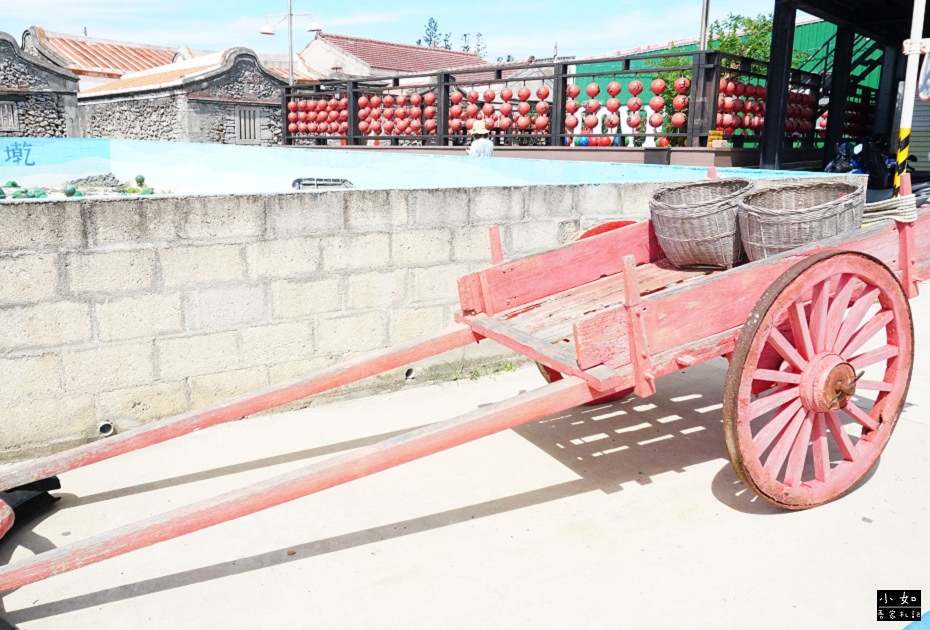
(415, 100)
(679, 119)
(332, 104)
(375, 127)
(312, 128)
(343, 103)
(680, 103)
(456, 124)
(656, 120)
(343, 115)
(656, 103)
(401, 100)
(471, 110)
(302, 127)
(456, 97)
(728, 104)
(506, 94)
(523, 121)
(400, 112)
(291, 106)
(376, 113)
(472, 97)
(469, 124)
(723, 85)
(572, 106)
(681, 85)
(430, 112)
(572, 91)
(319, 105)
(542, 107)
(374, 101)
(663, 142)
(612, 121)
(590, 121)
(738, 105)
(430, 125)
(302, 106)
(542, 122)
(614, 88)
(416, 125)
(727, 120)
(592, 90)
(363, 127)
(612, 104)
(523, 108)
(523, 94)
(292, 128)
(309, 117)
(542, 93)
(388, 100)
(739, 88)
(455, 111)
(592, 106)
(488, 109)
(750, 90)
(658, 86)
(506, 109)
(489, 96)
(571, 122)
(635, 87)
(634, 120)
(403, 124)
(343, 128)
(730, 88)
(292, 117)
(388, 126)
(634, 104)
(388, 113)
(429, 98)
(504, 123)
(364, 113)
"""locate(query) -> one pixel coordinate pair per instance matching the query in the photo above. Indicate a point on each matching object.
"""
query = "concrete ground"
(546, 526)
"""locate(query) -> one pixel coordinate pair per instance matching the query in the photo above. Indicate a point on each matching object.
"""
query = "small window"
(8, 117)
(248, 125)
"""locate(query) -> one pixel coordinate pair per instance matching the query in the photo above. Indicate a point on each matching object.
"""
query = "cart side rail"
(715, 304)
(518, 282)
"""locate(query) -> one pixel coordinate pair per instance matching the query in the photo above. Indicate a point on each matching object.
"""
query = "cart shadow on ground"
(608, 446)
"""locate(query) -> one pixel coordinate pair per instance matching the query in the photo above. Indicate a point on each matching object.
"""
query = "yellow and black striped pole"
(912, 49)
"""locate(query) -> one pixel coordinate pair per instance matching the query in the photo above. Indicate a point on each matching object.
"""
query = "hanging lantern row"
(634, 119)
(859, 120)
(318, 116)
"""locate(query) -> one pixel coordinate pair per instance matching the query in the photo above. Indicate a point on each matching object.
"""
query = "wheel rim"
(818, 379)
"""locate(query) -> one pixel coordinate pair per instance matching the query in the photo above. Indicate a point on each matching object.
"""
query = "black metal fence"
(726, 93)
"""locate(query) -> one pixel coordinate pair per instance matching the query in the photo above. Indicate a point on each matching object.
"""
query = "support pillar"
(839, 81)
(777, 83)
(887, 97)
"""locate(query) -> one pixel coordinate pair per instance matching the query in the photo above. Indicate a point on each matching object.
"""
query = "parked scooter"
(875, 159)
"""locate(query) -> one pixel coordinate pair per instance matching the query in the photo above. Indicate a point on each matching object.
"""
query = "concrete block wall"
(125, 310)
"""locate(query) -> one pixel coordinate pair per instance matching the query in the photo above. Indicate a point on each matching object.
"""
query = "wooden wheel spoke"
(820, 448)
(819, 306)
(774, 426)
(802, 334)
(798, 455)
(767, 403)
(854, 317)
(871, 357)
(860, 416)
(840, 436)
(881, 386)
(783, 443)
(787, 351)
(776, 376)
(864, 334)
(838, 306)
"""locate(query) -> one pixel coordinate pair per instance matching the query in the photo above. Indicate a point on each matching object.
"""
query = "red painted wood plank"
(497, 250)
(355, 369)
(318, 476)
(645, 384)
(519, 282)
(7, 518)
(908, 255)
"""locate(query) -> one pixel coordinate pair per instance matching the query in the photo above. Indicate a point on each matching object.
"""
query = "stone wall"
(214, 121)
(39, 116)
(134, 118)
(125, 310)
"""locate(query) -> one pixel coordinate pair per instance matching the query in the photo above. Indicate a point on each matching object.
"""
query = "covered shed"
(227, 97)
(37, 98)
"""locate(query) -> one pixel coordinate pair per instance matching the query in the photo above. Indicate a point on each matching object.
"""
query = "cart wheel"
(796, 430)
(552, 375)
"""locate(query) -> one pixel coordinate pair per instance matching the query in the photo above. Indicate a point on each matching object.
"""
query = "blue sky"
(516, 28)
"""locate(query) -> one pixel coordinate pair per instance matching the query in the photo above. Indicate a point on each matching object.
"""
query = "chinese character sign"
(19, 154)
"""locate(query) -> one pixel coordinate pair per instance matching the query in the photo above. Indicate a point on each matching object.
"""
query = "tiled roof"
(402, 57)
(116, 58)
(146, 80)
(300, 75)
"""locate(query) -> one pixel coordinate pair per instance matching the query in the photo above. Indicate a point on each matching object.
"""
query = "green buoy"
(69, 191)
(78, 193)
(140, 179)
(148, 191)
(39, 194)
(11, 184)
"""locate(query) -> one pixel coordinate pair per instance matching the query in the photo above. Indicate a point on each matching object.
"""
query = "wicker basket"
(775, 220)
(696, 223)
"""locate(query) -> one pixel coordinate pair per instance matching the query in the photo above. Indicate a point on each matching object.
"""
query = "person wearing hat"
(481, 146)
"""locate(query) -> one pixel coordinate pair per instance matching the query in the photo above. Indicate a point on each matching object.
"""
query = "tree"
(747, 37)
(432, 38)
(466, 44)
(480, 47)
(508, 58)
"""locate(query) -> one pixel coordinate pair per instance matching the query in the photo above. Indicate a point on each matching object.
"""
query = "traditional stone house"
(338, 56)
(37, 99)
(227, 97)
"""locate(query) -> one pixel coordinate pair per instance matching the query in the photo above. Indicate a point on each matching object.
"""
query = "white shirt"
(482, 147)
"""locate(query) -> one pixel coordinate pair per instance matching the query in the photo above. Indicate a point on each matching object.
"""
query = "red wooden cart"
(804, 331)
